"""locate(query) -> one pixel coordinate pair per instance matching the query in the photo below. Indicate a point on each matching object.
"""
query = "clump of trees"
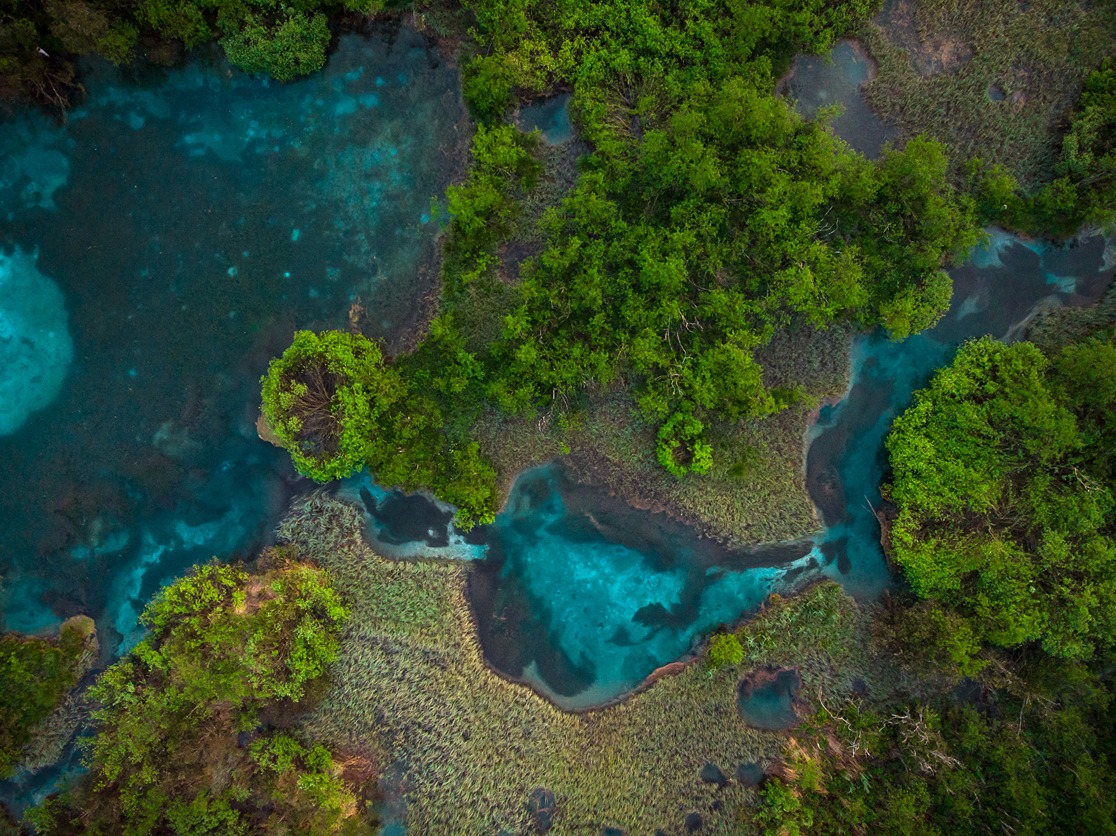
(707, 215)
(1003, 482)
(183, 743)
(1033, 759)
(336, 406)
(37, 674)
(279, 39)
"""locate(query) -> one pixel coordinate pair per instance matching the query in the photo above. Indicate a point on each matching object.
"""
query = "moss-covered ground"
(411, 689)
(988, 78)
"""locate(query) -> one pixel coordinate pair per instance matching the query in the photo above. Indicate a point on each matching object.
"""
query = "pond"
(766, 699)
(157, 250)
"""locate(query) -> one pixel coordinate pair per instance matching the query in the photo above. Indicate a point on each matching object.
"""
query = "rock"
(266, 433)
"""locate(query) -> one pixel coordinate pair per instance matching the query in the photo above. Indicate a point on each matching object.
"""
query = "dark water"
(159, 248)
(766, 701)
(551, 117)
(817, 81)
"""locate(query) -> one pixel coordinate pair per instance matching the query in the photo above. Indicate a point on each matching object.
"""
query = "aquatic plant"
(988, 79)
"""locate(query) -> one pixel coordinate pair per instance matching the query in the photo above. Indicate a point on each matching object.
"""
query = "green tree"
(1004, 505)
(326, 399)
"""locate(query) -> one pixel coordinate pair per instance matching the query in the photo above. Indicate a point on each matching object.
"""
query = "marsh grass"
(1054, 328)
(411, 689)
(940, 61)
(755, 491)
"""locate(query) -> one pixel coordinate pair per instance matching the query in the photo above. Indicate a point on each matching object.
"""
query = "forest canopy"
(1003, 478)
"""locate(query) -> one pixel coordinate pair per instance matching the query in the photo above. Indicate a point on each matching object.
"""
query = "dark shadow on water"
(766, 699)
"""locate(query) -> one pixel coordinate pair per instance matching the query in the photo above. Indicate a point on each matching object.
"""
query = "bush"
(324, 400)
(725, 651)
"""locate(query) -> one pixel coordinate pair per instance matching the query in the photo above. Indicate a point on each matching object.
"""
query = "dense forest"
(705, 221)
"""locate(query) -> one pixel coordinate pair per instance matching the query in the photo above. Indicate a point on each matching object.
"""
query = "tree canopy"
(1003, 481)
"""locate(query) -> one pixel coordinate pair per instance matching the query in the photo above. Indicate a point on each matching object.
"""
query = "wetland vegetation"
(661, 287)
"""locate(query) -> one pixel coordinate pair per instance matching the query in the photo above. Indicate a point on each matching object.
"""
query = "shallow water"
(838, 78)
(189, 220)
(768, 702)
(550, 116)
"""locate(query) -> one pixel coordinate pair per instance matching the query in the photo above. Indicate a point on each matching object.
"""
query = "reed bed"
(412, 690)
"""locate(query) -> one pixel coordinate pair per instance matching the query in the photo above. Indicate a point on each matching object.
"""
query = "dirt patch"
(930, 52)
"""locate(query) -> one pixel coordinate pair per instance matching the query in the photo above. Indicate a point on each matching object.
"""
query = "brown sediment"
(265, 432)
(930, 52)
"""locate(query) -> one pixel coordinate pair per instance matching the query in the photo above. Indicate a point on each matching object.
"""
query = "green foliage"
(324, 400)
(281, 39)
(224, 646)
(930, 635)
(682, 446)
(35, 676)
(483, 208)
(1005, 504)
(1037, 761)
(292, 45)
(487, 84)
(725, 651)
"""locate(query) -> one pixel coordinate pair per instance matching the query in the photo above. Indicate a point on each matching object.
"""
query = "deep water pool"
(156, 251)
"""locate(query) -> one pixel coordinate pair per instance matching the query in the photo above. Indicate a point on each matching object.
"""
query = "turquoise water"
(156, 250)
(582, 596)
(550, 116)
(160, 247)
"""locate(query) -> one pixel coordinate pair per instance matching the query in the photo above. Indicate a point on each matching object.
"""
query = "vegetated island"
(642, 304)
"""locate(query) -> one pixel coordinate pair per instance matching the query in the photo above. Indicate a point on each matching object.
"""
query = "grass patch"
(943, 64)
(755, 491)
(411, 688)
